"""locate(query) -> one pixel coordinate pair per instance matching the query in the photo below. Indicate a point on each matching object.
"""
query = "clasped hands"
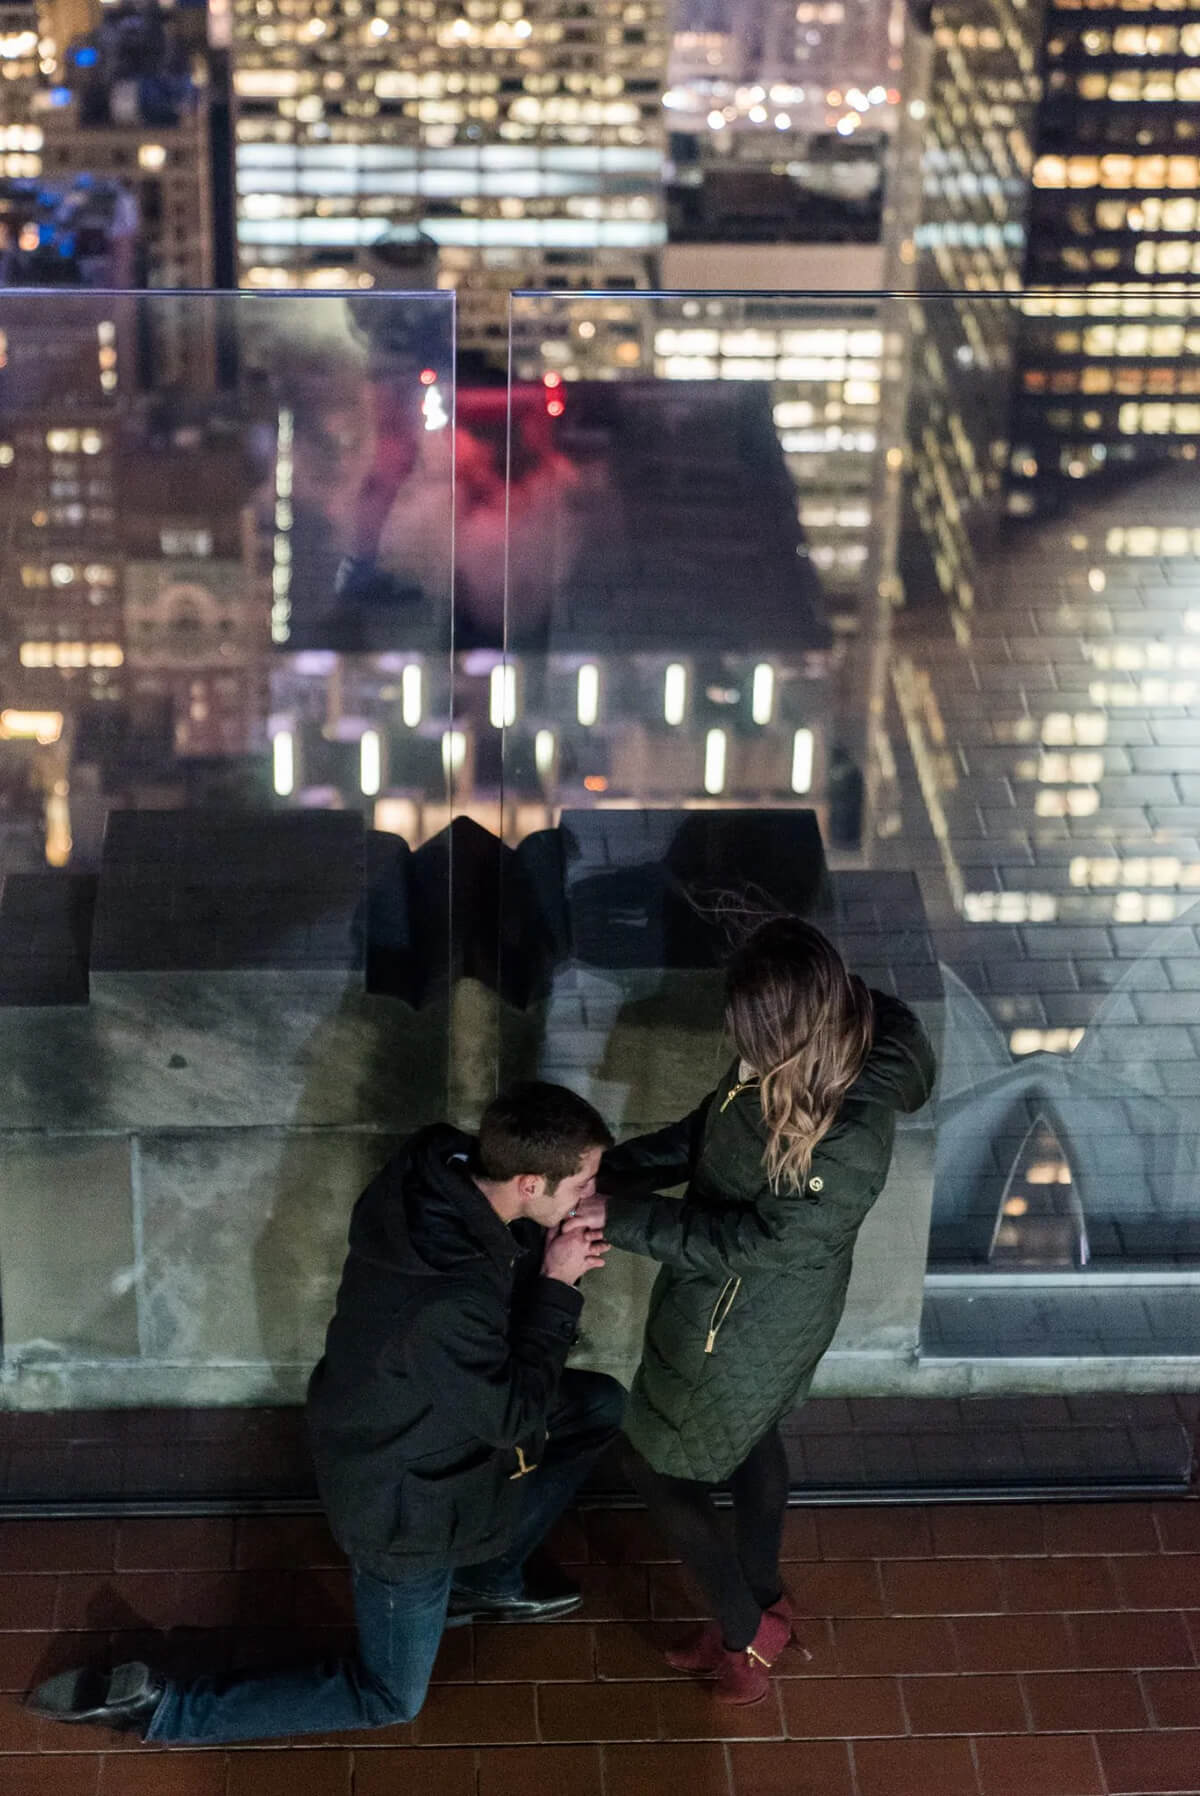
(577, 1245)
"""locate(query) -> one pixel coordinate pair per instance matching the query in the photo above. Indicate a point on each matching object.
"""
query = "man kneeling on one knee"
(448, 1435)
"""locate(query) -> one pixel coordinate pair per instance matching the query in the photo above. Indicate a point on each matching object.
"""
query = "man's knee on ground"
(391, 1705)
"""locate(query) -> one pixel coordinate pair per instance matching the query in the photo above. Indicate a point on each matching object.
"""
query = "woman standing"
(782, 1163)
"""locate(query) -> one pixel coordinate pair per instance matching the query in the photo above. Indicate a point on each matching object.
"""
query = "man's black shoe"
(544, 1596)
(124, 1699)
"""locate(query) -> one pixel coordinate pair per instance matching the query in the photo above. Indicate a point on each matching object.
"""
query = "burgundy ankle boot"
(782, 1607)
(742, 1677)
(702, 1651)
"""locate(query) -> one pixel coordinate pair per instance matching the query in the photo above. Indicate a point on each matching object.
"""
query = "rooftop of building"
(1033, 1650)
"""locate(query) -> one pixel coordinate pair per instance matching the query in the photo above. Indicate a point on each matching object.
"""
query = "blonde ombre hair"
(804, 1024)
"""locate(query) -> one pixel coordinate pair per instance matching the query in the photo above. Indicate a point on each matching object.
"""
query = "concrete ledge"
(126, 1384)
(882, 1375)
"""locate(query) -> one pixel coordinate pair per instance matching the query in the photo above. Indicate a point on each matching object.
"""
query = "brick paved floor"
(956, 1651)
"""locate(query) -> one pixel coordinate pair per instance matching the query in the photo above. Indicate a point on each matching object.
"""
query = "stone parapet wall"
(179, 1155)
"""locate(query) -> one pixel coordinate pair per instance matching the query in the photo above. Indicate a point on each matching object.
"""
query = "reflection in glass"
(1040, 1220)
(998, 712)
(224, 986)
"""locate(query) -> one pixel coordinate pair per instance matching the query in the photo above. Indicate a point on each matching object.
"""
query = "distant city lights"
(31, 726)
(281, 569)
(717, 102)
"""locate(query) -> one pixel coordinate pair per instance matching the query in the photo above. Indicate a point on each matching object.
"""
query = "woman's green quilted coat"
(752, 1284)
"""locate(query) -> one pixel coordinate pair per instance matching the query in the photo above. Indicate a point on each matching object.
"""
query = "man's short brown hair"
(540, 1129)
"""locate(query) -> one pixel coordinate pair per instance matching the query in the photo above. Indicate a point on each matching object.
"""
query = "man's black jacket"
(441, 1362)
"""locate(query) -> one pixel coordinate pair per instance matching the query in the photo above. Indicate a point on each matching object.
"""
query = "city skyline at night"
(306, 500)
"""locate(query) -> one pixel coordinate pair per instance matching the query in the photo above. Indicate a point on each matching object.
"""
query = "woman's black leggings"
(734, 1556)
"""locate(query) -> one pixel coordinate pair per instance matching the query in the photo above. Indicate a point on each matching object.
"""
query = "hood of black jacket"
(425, 1215)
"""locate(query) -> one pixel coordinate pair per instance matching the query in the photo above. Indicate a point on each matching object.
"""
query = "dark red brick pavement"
(967, 1651)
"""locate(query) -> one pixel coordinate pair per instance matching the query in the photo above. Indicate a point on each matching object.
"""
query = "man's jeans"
(399, 1622)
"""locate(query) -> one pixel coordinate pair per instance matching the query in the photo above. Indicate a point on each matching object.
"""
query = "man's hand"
(572, 1251)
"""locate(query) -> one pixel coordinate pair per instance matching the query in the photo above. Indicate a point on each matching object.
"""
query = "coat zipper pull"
(523, 1467)
(717, 1320)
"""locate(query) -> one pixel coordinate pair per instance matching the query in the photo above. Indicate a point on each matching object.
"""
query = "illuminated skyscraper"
(125, 197)
(526, 141)
(20, 77)
(976, 107)
(59, 390)
(1111, 379)
(196, 605)
(20, 71)
(127, 107)
(781, 119)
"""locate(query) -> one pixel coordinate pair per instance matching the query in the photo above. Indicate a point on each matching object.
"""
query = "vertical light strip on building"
(283, 763)
(587, 694)
(370, 763)
(714, 762)
(454, 750)
(543, 752)
(503, 696)
(762, 693)
(410, 694)
(281, 570)
(675, 693)
(350, 132)
(802, 760)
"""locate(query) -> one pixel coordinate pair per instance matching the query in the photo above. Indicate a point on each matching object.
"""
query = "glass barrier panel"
(226, 738)
(882, 611)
